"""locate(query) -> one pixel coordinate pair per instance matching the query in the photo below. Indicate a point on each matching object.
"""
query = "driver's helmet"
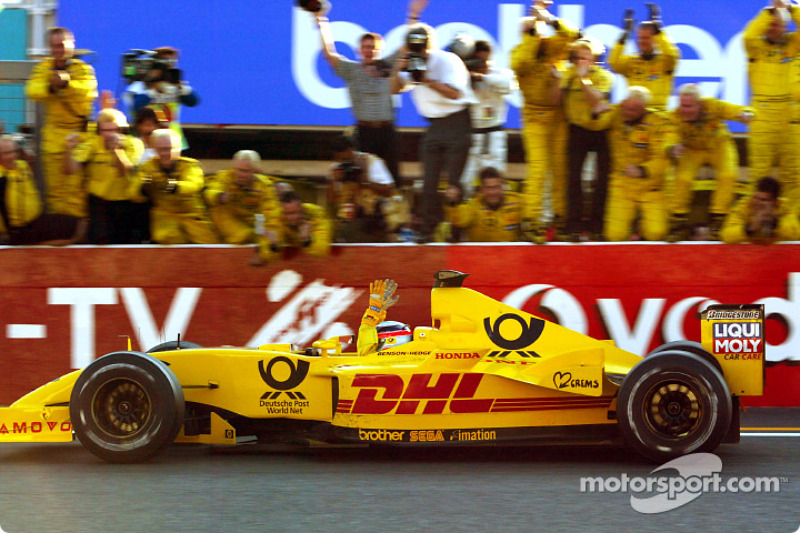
(392, 333)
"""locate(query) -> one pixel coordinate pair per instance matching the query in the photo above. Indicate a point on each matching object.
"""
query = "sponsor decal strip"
(599, 405)
(775, 434)
(344, 406)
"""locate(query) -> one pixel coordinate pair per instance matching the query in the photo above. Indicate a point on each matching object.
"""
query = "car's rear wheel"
(173, 345)
(673, 403)
(691, 347)
(126, 407)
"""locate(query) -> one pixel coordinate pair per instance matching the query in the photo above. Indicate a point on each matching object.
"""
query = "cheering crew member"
(21, 217)
(762, 218)
(107, 158)
(539, 66)
(299, 227)
(66, 87)
(237, 195)
(493, 215)
(639, 138)
(771, 53)
(654, 66)
(174, 184)
(704, 138)
(587, 87)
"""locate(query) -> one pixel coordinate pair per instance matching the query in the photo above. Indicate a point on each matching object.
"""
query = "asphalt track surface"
(63, 488)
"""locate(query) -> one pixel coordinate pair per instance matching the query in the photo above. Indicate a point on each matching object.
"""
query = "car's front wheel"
(673, 403)
(126, 407)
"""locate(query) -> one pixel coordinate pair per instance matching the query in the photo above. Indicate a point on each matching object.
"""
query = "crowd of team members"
(108, 185)
(647, 158)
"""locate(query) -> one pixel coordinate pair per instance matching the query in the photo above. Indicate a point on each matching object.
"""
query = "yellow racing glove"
(381, 298)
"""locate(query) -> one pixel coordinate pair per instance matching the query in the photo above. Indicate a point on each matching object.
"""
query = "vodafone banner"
(62, 307)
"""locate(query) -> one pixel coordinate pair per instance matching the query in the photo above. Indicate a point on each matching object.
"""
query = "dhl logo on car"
(383, 394)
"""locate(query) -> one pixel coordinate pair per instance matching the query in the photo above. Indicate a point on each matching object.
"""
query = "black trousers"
(579, 143)
(381, 141)
(110, 222)
(445, 147)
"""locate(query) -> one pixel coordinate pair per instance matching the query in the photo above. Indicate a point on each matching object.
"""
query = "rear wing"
(734, 335)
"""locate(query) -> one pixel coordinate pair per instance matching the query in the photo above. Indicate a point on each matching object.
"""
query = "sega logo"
(737, 330)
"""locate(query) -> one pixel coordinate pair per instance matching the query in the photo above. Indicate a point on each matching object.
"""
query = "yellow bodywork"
(734, 335)
(481, 368)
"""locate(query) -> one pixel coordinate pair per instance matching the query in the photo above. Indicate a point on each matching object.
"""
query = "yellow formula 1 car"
(484, 373)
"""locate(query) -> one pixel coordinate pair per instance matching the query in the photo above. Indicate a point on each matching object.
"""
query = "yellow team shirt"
(103, 175)
(770, 65)
(187, 198)
(643, 144)
(577, 108)
(485, 224)
(22, 200)
(533, 59)
(710, 131)
(67, 109)
(243, 203)
(289, 237)
(656, 73)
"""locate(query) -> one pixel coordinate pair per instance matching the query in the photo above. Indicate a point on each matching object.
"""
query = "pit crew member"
(538, 62)
(654, 66)
(703, 138)
(174, 184)
(762, 218)
(493, 215)
(235, 196)
(66, 87)
(771, 52)
(639, 138)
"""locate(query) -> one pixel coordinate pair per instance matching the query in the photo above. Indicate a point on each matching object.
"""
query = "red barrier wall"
(60, 308)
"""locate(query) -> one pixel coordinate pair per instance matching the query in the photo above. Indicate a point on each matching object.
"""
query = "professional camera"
(351, 172)
(417, 44)
(138, 65)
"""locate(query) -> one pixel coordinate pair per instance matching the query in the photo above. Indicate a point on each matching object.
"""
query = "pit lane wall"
(62, 307)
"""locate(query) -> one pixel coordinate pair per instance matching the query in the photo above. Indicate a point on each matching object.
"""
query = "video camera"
(351, 172)
(137, 65)
(417, 44)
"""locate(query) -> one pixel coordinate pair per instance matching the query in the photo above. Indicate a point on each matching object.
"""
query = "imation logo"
(529, 334)
(297, 373)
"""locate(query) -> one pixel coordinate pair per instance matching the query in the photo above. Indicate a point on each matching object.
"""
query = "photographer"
(236, 195)
(762, 218)
(174, 185)
(360, 191)
(370, 93)
(107, 158)
(162, 88)
(442, 93)
(489, 138)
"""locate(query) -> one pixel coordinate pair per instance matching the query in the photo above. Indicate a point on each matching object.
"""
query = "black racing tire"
(673, 403)
(691, 347)
(126, 407)
(173, 345)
